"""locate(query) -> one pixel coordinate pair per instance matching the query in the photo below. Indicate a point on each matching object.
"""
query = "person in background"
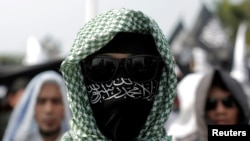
(220, 100)
(185, 120)
(14, 93)
(16, 90)
(42, 114)
(120, 79)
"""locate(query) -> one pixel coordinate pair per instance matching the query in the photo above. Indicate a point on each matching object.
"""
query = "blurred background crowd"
(217, 37)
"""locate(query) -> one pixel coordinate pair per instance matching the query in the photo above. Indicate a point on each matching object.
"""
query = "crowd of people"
(119, 83)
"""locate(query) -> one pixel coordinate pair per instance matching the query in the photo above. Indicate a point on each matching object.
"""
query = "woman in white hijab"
(24, 124)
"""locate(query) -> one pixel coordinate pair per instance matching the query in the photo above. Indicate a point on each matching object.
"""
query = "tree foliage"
(231, 14)
(10, 59)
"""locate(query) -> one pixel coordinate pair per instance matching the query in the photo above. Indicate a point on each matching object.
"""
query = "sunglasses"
(227, 102)
(140, 68)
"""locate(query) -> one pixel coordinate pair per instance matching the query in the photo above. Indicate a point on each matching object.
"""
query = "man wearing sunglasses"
(120, 79)
(220, 100)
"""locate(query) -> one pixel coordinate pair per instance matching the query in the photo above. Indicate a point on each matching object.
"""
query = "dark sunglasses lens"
(100, 69)
(142, 68)
(211, 104)
(228, 102)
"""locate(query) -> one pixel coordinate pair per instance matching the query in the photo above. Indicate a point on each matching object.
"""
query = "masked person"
(42, 114)
(220, 100)
(120, 79)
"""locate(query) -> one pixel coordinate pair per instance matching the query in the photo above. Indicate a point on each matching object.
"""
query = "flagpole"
(90, 9)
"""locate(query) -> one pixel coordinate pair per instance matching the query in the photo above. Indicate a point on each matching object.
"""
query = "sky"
(62, 19)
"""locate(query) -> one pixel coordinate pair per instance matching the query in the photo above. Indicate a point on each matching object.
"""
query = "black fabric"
(121, 106)
(121, 119)
(126, 42)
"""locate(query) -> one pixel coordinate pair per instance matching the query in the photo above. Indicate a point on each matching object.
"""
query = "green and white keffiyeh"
(92, 37)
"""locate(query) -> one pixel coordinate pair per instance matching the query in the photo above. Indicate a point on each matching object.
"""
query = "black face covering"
(121, 106)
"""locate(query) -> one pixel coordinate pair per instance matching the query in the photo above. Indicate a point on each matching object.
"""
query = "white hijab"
(22, 124)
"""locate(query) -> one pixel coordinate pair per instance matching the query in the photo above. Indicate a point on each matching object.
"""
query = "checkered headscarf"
(93, 36)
